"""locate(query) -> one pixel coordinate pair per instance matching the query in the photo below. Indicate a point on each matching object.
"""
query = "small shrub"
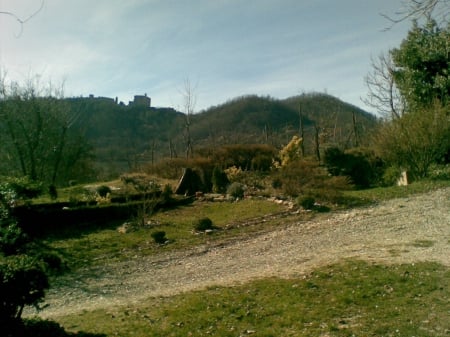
(166, 194)
(203, 224)
(52, 260)
(22, 282)
(159, 237)
(236, 190)
(233, 173)
(300, 176)
(103, 191)
(440, 172)
(307, 202)
(53, 193)
(361, 165)
(219, 180)
(277, 183)
(25, 187)
(391, 175)
(12, 239)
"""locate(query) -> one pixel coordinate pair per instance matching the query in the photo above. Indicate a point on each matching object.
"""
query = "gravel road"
(404, 230)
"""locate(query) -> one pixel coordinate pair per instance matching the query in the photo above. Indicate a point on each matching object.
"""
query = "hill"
(124, 137)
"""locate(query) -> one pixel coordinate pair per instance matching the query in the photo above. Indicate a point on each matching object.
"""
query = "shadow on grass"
(40, 328)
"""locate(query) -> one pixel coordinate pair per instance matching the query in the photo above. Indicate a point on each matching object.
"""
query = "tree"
(149, 193)
(383, 94)
(422, 65)
(417, 140)
(23, 280)
(411, 87)
(37, 135)
(416, 9)
(415, 74)
(189, 102)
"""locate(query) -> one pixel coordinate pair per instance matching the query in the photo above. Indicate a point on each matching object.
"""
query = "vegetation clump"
(307, 202)
(204, 224)
(236, 190)
(159, 237)
(219, 180)
(103, 191)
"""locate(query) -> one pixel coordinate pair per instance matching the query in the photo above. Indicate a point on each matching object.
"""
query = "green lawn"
(349, 299)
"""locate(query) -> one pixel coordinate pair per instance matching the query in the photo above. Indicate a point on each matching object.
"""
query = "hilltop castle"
(139, 100)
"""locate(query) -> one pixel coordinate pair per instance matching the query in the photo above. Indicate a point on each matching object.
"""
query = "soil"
(404, 230)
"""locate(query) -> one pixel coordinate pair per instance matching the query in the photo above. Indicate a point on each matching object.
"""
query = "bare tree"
(416, 9)
(23, 21)
(301, 128)
(317, 131)
(383, 94)
(189, 102)
(35, 131)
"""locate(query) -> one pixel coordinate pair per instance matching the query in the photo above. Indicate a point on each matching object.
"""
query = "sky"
(223, 48)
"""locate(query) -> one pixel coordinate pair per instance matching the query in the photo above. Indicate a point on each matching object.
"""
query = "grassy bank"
(231, 218)
(95, 247)
(349, 299)
(352, 298)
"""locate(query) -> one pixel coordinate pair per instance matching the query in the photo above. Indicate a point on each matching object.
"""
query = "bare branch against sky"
(416, 9)
(20, 20)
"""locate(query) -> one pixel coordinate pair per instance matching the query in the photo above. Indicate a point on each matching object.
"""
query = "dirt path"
(397, 231)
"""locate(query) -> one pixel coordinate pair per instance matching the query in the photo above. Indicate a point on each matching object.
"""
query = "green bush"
(440, 172)
(256, 157)
(306, 202)
(299, 176)
(24, 187)
(159, 237)
(203, 224)
(360, 165)
(277, 183)
(236, 190)
(391, 175)
(219, 180)
(53, 193)
(167, 192)
(12, 239)
(23, 281)
(103, 191)
(52, 260)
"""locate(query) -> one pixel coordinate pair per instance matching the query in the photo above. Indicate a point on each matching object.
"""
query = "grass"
(89, 248)
(352, 298)
(178, 224)
(348, 299)
(386, 193)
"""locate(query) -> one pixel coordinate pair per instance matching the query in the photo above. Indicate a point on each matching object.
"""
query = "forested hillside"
(124, 137)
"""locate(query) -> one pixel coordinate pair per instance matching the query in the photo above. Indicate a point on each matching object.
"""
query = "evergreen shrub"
(203, 224)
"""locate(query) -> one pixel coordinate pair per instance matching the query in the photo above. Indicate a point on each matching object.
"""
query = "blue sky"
(226, 48)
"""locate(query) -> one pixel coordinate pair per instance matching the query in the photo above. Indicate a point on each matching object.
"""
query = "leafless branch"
(416, 9)
(23, 21)
(383, 95)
